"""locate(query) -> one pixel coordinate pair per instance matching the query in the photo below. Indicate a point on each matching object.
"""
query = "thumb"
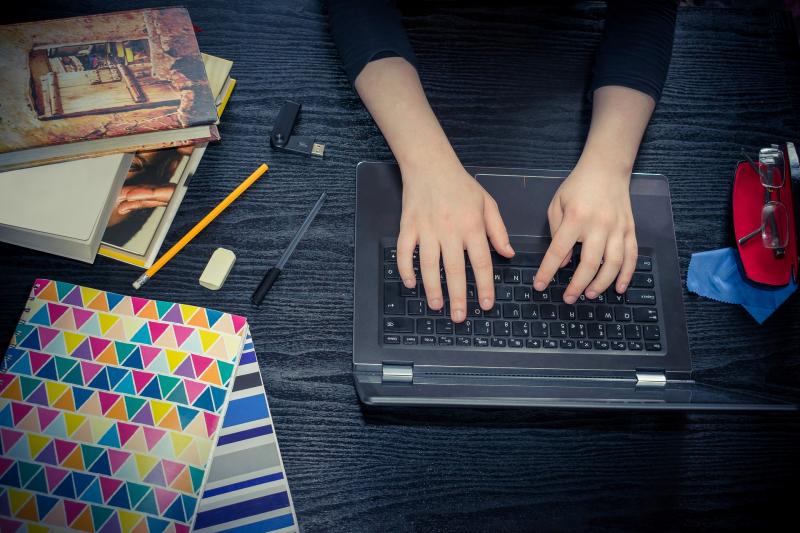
(495, 229)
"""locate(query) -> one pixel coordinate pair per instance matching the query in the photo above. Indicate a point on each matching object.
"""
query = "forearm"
(393, 94)
(619, 119)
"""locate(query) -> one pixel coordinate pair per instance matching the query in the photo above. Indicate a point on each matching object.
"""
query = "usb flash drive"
(282, 139)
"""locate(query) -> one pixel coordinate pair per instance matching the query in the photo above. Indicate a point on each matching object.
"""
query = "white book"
(62, 208)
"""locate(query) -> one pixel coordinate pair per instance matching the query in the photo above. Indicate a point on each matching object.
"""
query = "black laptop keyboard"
(523, 318)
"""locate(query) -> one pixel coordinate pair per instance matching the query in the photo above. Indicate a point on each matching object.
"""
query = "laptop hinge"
(398, 373)
(651, 378)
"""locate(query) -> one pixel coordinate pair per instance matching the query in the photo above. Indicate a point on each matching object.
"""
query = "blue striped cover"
(246, 489)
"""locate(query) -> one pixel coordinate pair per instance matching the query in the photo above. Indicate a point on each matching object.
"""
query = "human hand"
(593, 207)
(446, 212)
(134, 197)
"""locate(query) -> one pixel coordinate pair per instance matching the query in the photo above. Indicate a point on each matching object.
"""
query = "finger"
(612, 262)
(453, 257)
(495, 228)
(429, 254)
(406, 242)
(559, 249)
(127, 207)
(481, 260)
(554, 217)
(145, 193)
(629, 263)
(591, 257)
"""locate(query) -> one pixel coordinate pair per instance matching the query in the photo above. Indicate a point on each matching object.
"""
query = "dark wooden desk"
(508, 86)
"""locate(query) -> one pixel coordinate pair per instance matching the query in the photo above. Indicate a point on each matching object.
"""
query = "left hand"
(592, 207)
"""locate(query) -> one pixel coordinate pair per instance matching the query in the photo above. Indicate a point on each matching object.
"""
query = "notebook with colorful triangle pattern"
(110, 409)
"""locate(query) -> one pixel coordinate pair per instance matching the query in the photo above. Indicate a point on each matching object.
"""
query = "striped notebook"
(247, 481)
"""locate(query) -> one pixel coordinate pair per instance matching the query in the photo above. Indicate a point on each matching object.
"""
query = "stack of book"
(104, 120)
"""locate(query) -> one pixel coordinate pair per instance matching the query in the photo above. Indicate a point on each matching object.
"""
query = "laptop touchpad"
(523, 201)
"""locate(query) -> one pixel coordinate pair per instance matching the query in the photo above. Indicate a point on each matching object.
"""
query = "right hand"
(134, 197)
(446, 211)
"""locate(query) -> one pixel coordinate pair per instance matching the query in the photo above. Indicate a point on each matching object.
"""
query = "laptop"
(627, 351)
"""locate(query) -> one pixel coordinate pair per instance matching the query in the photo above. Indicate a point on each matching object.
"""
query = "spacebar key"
(520, 259)
(398, 325)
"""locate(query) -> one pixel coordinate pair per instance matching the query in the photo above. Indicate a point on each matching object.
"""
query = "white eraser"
(217, 269)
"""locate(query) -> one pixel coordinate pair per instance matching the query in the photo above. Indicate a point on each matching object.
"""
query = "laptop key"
(444, 325)
(533, 343)
(482, 327)
(622, 314)
(502, 327)
(584, 345)
(527, 276)
(425, 325)
(567, 312)
(390, 271)
(567, 344)
(558, 329)
(635, 346)
(480, 342)
(601, 345)
(406, 292)
(522, 293)
(641, 280)
(652, 346)
(640, 297)
(644, 263)
(605, 313)
(415, 307)
(595, 330)
(539, 328)
(530, 311)
(564, 277)
(556, 294)
(409, 339)
(427, 339)
(613, 297)
(520, 328)
(548, 312)
(550, 343)
(511, 310)
(398, 325)
(434, 312)
(618, 345)
(390, 254)
(585, 312)
(651, 333)
(473, 309)
(504, 292)
(498, 275)
(463, 328)
(577, 330)
(472, 294)
(633, 332)
(445, 341)
(515, 343)
(391, 339)
(463, 341)
(512, 275)
(494, 312)
(645, 314)
(614, 331)
(541, 296)
(498, 343)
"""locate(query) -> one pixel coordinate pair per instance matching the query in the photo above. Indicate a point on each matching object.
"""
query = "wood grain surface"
(509, 85)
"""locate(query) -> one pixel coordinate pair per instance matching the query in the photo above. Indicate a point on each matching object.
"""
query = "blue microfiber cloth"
(717, 275)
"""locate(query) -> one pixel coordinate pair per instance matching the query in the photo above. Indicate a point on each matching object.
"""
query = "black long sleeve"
(634, 52)
(636, 45)
(365, 30)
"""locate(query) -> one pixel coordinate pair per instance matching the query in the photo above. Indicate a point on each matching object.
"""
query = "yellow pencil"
(200, 226)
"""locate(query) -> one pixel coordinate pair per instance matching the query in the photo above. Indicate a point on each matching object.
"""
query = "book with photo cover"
(98, 84)
(155, 186)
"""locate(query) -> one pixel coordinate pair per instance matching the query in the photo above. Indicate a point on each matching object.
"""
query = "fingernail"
(436, 303)
(623, 287)
(539, 286)
(458, 315)
(591, 294)
(509, 248)
(410, 282)
(486, 302)
(569, 299)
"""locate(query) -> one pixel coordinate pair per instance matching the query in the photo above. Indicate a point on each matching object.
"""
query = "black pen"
(273, 273)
